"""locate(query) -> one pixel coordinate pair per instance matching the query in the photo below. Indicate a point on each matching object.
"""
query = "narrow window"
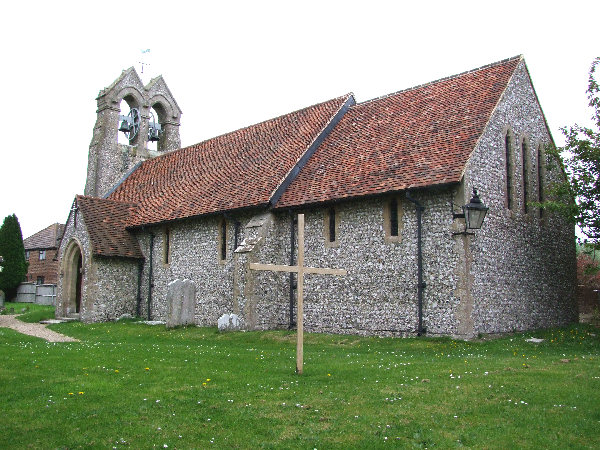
(40, 280)
(509, 172)
(330, 227)
(167, 247)
(223, 241)
(332, 224)
(525, 152)
(42, 255)
(392, 220)
(27, 255)
(540, 175)
(394, 217)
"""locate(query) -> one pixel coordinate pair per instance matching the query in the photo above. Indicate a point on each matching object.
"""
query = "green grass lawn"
(133, 385)
(33, 312)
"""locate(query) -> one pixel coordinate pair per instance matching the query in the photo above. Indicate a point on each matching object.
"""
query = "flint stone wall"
(523, 267)
(77, 233)
(378, 295)
(194, 255)
(114, 291)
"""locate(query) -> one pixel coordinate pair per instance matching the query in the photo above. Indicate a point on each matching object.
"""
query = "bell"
(125, 127)
(153, 134)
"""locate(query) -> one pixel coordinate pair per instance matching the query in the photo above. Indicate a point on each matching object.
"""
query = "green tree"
(13, 253)
(581, 159)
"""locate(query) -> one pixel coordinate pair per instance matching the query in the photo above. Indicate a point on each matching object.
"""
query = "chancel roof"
(414, 138)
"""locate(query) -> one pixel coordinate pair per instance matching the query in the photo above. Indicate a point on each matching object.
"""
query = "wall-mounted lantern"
(473, 212)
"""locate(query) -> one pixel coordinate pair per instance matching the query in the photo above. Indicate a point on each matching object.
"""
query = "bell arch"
(114, 150)
(166, 109)
(130, 99)
(131, 95)
(155, 128)
(168, 118)
(72, 262)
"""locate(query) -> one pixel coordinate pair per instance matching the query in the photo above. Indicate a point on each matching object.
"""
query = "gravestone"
(174, 303)
(181, 300)
(188, 305)
(229, 322)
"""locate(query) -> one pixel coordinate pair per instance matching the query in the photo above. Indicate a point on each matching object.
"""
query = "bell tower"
(153, 116)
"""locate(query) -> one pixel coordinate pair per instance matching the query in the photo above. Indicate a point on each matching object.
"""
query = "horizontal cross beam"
(296, 269)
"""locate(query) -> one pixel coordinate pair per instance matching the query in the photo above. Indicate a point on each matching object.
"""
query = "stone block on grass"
(181, 301)
(229, 322)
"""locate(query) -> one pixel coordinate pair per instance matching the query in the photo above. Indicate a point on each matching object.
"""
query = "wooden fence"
(42, 294)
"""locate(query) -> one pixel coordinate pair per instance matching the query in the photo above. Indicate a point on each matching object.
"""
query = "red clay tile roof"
(46, 238)
(237, 170)
(414, 138)
(105, 221)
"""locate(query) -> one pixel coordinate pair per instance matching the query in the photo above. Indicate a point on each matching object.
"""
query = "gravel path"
(34, 329)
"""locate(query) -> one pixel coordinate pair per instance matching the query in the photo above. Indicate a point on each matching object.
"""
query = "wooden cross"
(300, 269)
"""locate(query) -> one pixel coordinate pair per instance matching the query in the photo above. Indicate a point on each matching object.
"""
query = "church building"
(382, 185)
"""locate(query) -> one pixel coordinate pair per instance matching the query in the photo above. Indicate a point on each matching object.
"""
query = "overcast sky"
(232, 64)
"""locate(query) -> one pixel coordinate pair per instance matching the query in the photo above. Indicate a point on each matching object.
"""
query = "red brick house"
(40, 253)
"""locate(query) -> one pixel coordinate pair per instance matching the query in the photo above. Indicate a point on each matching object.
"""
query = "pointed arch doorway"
(73, 280)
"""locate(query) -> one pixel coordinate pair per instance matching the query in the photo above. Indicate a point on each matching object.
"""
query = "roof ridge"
(39, 231)
(450, 77)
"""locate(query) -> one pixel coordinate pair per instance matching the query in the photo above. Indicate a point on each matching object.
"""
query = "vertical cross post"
(300, 292)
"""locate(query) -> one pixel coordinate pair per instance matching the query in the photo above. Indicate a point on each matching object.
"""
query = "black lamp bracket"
(456, 215)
